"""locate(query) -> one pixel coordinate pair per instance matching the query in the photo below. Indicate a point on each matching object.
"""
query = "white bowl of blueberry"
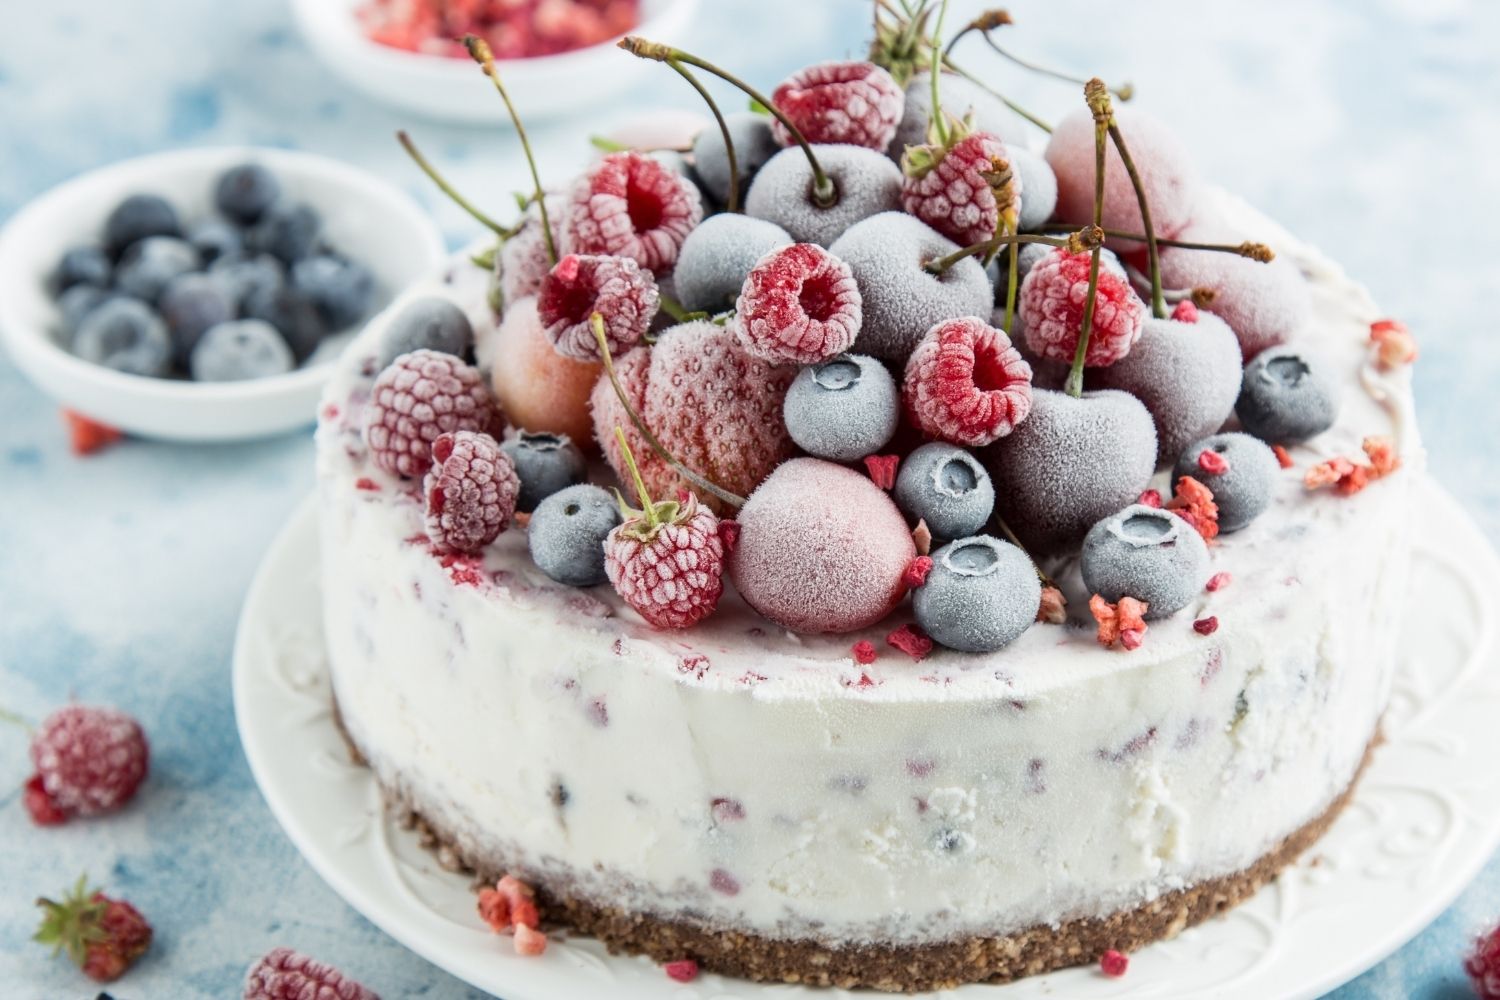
(201, 295)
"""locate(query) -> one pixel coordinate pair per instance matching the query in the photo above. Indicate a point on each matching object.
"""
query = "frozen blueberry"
(1146, 553)
(287, 231)
(190, 305)
(864, 183)
(545, 463)
(753, 146)
(244, 193)
(946, 487)
(432, 323)
(888, 254)
(124, 334)
(718, 255)
(242, 349)
(842, 409)
(979, 596)
(341, 289)
(81, 266)
(244, 273)
(215, 238)
(151, 264)
(1038, 187)
(1284, 398)
(77, 302)
(291, 314)
(137, 217)
(1243, 491)
(567, 533)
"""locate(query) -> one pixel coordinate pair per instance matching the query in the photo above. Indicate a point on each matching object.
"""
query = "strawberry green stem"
(597, 321)
(939, 122)
(1082, 241)
(732, 203)
(479, 50)
(449, 190)
(1098, 99)
(824, 193)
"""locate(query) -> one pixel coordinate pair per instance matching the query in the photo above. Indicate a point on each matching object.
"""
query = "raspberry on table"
(671, 573)
(617, 288)
(471, 491)
(417, 399)
(966, 384)
(284, 974)
(89, 760)
(849, 103)
(631, 205)
(967, 190)
(799, 305)
(1052, 305)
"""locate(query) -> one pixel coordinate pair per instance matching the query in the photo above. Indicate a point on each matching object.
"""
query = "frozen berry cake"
(975, 601)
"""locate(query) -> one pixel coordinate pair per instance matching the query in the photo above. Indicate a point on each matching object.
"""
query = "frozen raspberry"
(1052, 304)
(617, 288)
(683, 971)
(966, 192)
(799, 305)
(103, 936)
(523, 262)
(966, 384)
(284, 974)
(471, 491)
(911, 640)
(536, 387)
(631, 205)
(668, 563)
(848, 103)
(1114, 963)
(89, 760)
(1483, 965)
(417, 399)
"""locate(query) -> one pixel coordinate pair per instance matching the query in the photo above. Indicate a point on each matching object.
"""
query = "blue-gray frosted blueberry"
(842, 409)
(124, 334)
(151, 264)
(432, 323)
(1146, 553)
(1244, 491)
(215, 238)
(137, 217)
(291, 314)
(287, 231)
(718, 255)
(77, 302)
(238, 350)
(339, 288)
(190, 305)
(1038, 187)
(81, 266)
(865, 184)
(545, 463)
(567, 533)
(244, 273)
(980, 595)
(753, 146)
(1285, 398)
(945, 486)
(243, 193)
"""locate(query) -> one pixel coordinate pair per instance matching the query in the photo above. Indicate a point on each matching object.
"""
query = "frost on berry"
(90, 760)
(866, 183)
(967, 191)
(672, 574)
(633, 369)
(617, 288)
(966, 384)
(470, 491)
(850, 103)
(523, 261)
(1052, 305)
(284, 973)
(631, 205)
(417, 399)
(799, 305)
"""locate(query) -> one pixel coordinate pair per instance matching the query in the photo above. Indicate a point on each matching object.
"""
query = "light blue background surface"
(1370, 129)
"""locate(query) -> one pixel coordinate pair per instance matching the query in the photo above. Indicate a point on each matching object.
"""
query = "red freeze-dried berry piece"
(89, 760)
(1114, 963)
(39, 805)
(87, 436)
(882, 469)
(1394, 344)
(683, 971)
(1206, 626)
(1212, 462)
(617, 288)
(1052, 303)
(966, 384)
(284, 974)
(471, 491)
(529, 941)
(853, 103)
(1219, 581)
(1123, 622)
(1150, 498)
(671, 573)
(418, 398)
(1054, 607)
(864, 652)
(916, 572)
(911, 640)
(799, 305)
(1283, 457)
(966, 191)
(1185, 311)
(632, 205)
(1194, 503)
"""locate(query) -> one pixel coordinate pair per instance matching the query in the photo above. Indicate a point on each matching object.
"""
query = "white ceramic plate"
(455, 90)
(1425, 819)
(362, 216)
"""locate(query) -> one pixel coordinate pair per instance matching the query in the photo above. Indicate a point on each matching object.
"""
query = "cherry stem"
(1098, 99)
(1158, 304)
(976, 81)
(733, 202)
(645, 432)
(479, 50)
(987, 21)
(939, 123)
(1124, 92)
(1010, 536)
(12, 718)
(1254, 251)
(452, 192)
(1086, 239)
(1012, 282)
(824, 194)
(647, 507)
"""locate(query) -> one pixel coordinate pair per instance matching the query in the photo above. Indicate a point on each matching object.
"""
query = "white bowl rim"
(21, 338)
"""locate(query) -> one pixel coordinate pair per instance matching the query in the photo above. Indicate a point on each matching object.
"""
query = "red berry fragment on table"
(86, 436)
(864, 652)
(1347, 477)
(1122, 623)
(1206, 626)
(1114, 963)
(284, 974)
(1218, 582)
(683, 971)
(104, 937)
(88, 761)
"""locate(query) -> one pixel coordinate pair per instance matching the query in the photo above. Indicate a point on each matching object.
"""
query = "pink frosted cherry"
(539, 389)
(821, 549)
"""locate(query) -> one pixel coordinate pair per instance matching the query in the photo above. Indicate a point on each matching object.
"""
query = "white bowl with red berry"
(202, 295)
(556, 53)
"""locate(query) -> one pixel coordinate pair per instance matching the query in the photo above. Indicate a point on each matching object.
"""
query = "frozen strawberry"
(631, 205)
(1052, 305)
(849, 103)
(104, 937)
(966, 384)
(618, 289)
(799, 305)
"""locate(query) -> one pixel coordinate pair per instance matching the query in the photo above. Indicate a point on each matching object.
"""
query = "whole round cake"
(976, 602)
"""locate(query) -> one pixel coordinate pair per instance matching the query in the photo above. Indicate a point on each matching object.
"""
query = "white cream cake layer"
(740, 777)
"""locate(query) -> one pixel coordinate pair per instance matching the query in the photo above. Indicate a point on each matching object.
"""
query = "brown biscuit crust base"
(904, 968)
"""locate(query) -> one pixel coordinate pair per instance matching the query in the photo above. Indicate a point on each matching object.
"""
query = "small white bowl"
(455, 90)
(363, 217)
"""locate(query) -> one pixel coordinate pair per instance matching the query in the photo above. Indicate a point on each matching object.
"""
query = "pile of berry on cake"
(852, 547)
